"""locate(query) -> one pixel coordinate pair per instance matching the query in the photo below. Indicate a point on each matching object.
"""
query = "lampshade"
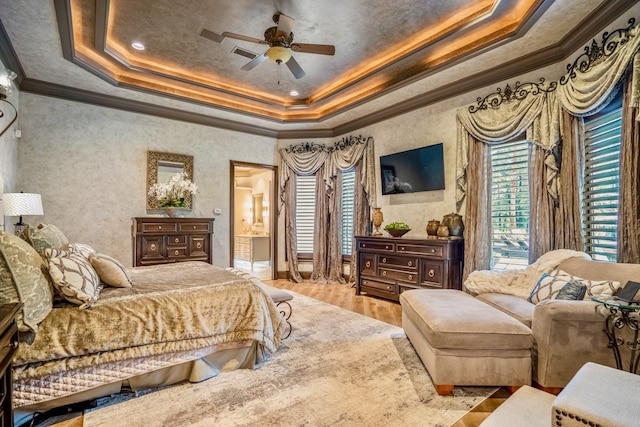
(19, 204)
(278, 54)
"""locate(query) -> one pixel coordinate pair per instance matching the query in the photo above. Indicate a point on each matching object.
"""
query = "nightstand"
(8, 346)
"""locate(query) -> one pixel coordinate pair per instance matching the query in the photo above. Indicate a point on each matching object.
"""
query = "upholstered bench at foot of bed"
(463, 341)
(281, 299)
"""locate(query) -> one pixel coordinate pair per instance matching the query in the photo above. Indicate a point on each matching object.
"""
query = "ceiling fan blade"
(254, 62)
(211, 35)
(322, 49)
(295, 68)
(244, 38)
(285, 24)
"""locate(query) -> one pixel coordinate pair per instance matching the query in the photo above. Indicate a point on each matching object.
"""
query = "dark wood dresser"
(164, 240)
(8, 346)
(388, 266)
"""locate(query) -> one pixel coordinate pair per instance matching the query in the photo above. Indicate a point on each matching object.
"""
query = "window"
(306, 209)
(602, 183)
(510, 204)
(305, 212)
(348, 205)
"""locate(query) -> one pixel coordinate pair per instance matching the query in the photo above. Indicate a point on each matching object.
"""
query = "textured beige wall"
(9, 156)
(89, 164)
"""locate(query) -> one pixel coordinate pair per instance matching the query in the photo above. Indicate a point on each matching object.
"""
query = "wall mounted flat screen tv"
(421, 169)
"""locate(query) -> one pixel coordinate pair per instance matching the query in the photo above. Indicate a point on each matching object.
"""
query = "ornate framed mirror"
(161, 166)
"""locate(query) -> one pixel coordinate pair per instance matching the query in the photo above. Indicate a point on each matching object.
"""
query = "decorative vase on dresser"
(165, 240)
(377, 218)
(388, 266)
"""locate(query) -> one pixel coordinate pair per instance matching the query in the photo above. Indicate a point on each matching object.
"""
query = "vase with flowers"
(171, 195)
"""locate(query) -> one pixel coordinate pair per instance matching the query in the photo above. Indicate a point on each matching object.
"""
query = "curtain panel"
(328, 164)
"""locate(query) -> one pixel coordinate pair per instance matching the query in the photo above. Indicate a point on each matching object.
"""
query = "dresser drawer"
(176, 240)
(404, 276)
(193, 227)
(431, 273)
(380, 286)
(368, 264)
(429, 250)
(398, 261)
(376, 246)
(158, 227)
(173, 253)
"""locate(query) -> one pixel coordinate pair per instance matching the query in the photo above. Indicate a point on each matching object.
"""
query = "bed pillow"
(44, 236)
(550, 285)
(73, 277)
(81, 248)
(110, 270)
(24, 279)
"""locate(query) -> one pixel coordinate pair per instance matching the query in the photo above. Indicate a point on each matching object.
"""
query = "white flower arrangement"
(173, 192)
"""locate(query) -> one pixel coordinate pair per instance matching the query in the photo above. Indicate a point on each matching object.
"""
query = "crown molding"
(589, 27)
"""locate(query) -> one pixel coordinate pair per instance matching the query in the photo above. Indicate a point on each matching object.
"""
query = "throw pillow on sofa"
(73, 277)
(23, 278)
(550, 285)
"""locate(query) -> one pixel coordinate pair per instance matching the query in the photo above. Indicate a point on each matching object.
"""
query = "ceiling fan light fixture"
(278, 54)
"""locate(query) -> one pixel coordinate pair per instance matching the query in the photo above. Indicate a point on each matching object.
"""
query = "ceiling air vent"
(243, 52)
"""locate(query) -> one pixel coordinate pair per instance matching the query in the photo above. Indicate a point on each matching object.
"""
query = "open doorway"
(253, 219)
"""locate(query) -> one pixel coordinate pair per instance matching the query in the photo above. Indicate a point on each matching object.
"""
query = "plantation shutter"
(510, 204)
(305, 212)
(602, 185)
(348, 188)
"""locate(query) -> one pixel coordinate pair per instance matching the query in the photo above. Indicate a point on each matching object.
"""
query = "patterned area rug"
(336, 368)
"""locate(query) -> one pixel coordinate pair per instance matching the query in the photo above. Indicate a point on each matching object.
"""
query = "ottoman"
(464, 341)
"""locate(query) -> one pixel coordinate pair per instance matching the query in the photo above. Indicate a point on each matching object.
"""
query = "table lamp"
(20, 204)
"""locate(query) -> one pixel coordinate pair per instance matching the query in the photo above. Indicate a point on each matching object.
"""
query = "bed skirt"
(222, 358)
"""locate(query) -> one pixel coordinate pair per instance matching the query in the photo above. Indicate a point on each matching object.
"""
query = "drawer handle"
(198, 245)
(14, 344)
(364, 245)
(386, 247)
(432, 273)
(384, 260)
(410, 277)
(152, 247)
(433, 251)
(384, 273)
(177, 252)
(367, 264)
(410, 263)
(389, 288)
(177, 240)
(402, 249)
(159, 227)
(365, 282)
(194, 227)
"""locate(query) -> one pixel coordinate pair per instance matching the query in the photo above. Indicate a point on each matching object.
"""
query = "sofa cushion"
(455, 320)
(74, 277)
(24, 279)
(516, 307)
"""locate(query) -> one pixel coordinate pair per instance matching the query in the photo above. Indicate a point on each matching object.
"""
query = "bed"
(177, 322)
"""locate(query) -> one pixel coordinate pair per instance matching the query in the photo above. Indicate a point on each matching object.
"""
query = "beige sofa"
(567, 334)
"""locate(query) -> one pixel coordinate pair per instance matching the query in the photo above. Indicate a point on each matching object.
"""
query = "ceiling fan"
(280, 42)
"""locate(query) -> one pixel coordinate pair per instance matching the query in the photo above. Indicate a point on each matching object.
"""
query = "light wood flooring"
(344, 296)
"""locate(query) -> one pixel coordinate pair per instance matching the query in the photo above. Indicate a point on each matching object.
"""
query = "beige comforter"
(170, 309)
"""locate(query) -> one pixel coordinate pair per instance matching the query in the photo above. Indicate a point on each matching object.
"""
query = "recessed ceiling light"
(137, 46)
(294, 93)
